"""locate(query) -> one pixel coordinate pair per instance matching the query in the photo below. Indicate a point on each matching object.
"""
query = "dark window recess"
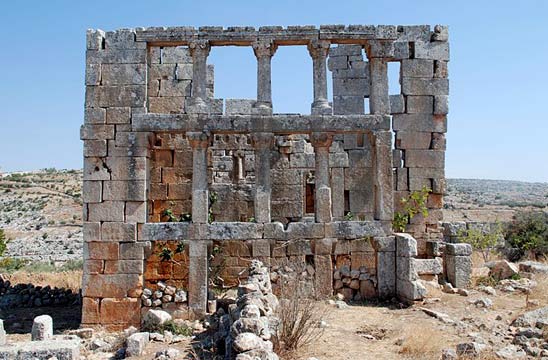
(309, 198)
(346, 202)
(359, 141)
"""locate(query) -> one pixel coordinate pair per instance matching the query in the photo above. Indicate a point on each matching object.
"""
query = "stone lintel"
(277, 124)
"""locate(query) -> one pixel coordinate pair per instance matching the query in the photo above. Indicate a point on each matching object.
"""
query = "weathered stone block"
(133, 190)
(458, 270)
(92, 191)
(459, 249)
(420, 104)
(397, 104)
(106, 211)
(117, 231)
(432, 50)
(386, 274)
(111, 286)
(95, 148)
(420, 86)
(420, 123)
(136, 343)
(425, 158)
(410, 290)
(417, 68)
(121, 311)
(97, 132)
(42, 328)
(91, 231)
(123, 74)
(441, 104)
(406, 245)
(427, 266)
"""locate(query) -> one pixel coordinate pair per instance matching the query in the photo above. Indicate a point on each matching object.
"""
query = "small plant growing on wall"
(414, 204)
(166, 254)
(213, 197)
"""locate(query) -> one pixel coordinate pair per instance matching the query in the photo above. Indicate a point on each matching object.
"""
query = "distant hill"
(41, 211)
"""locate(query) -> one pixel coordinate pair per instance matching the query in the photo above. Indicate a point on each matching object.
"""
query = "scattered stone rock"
(533, 267)
(470, 349)
(83, 333)
(155, 318)
(511, 352)
(136, 343)
(504, 270)
(531, 318)
(488, 290)
(448, 354)
(483, 302)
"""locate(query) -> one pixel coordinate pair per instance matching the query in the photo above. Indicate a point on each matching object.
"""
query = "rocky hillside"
(41, 212)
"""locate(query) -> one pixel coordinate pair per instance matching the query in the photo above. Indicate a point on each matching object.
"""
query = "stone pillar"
(379, 100)
(264, 50)
(382, 167)
(458, 264)
(199, 50)
(262, 143)
(318, 50)
(197, 278)
(199, 142)
(322, 204)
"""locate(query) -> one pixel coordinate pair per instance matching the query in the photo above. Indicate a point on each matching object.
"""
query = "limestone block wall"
(184, 189)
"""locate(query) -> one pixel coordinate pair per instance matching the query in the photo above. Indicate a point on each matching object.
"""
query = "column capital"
(321, 139)
(318, 48)
(198, 47)
(197, 139)
(264, 48)
(262, 140)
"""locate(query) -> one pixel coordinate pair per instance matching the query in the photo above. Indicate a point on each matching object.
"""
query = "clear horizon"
(497, 120)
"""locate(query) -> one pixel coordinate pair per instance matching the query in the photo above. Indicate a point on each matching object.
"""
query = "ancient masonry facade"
(181, 190)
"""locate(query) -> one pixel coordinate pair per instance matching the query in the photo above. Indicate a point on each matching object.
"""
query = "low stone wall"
(29, 295)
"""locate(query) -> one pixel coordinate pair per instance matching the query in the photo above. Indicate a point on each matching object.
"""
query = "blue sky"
(498, 117)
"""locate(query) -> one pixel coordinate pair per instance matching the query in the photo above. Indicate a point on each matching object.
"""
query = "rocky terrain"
(41, 214)
(41, 211)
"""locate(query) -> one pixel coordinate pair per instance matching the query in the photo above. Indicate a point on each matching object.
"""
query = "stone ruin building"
(181, 189)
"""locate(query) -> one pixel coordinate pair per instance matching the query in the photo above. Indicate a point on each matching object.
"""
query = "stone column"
(264, 50)
(318, 50)
(382, 167)
(379, 100)
(322, 204)
(199, 142)
(197, 278)
(199, 50)
(262, 143)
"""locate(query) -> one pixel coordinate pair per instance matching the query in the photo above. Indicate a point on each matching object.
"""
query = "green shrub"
(414, 204)
(9, 264)
(529, 233)
(484, 242)
(3, 242)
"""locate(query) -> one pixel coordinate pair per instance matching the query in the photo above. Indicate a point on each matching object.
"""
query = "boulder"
(511, 352)
(470, 349)
(249, 341)
(504, 270)
(533, 267)
(532, 318)
(155, 318)
(136, 343)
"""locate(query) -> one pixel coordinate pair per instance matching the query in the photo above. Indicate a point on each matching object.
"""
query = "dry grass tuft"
(65, 279)
(422, 344)
(299, 324)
